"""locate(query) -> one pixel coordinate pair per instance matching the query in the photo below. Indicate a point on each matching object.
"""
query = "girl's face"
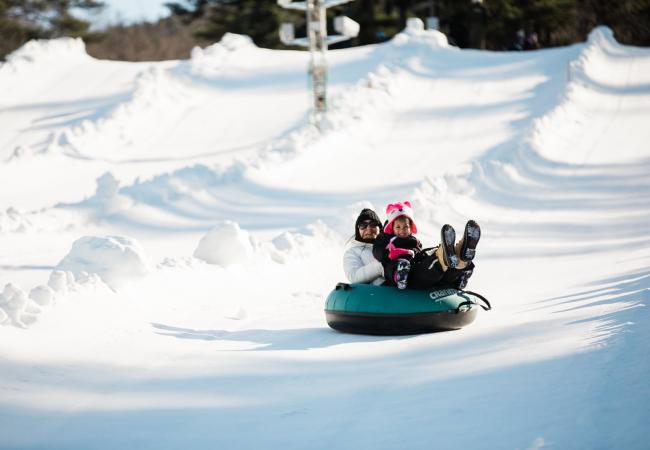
(402, 227)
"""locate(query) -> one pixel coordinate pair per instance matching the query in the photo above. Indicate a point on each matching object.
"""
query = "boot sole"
(402, 272)
(448, 240)
(470, 240)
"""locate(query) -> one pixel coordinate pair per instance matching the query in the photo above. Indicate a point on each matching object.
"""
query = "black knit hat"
(366, 214)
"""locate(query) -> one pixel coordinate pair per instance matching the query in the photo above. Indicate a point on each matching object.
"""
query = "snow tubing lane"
(386, 310)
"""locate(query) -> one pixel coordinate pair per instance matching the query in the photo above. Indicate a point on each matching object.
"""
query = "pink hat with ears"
(399, 209)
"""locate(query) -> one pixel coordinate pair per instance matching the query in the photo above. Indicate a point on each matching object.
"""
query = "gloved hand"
(394, 252)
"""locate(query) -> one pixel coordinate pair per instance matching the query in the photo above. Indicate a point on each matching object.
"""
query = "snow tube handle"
(344, 286)
(469, 302)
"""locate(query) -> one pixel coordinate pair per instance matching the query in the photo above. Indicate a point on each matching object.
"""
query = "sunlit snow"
(169, 232)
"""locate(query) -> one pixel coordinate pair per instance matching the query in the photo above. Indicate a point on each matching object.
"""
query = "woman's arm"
(379, 250)
(357, 272)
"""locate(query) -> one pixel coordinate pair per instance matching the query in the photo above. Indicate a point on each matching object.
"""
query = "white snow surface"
(169, 232)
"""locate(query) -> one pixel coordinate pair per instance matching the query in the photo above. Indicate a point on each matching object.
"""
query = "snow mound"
(317, 238)
(16, 308)
(107, 199)
(415, 32)
(225, 244)
(116, 260)
(228, 55)
(183, 183)
(42, 295)
(602, 36)
(61, 281)
(44, 51)
(107, 191)
(594, 62)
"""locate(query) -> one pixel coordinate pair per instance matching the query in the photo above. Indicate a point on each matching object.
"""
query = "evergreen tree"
(552, 20)
(13, 31)
(491, 24)
(189, 10)
(213, 18)
(63, 23)
(630, 19)
(22, 20)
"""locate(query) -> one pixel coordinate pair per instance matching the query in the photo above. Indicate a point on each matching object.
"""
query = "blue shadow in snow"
(593, 399)
(26, 267)
(71, 112)
(270, 340)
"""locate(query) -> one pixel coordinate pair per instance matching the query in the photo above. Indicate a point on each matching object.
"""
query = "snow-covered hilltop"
(169, 232)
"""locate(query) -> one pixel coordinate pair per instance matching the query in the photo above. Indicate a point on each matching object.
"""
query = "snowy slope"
(124, 325)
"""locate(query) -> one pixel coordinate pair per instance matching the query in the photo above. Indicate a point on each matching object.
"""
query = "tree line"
(489, 24)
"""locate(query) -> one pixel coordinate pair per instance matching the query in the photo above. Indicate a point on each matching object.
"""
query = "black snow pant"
(426, 273)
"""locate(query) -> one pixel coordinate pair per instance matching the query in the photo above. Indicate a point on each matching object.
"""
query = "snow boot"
(446, 252)
(463, 278)
(402, 273)
(466, 248)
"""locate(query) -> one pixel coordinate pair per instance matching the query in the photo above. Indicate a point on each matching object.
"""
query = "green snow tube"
(386, 310)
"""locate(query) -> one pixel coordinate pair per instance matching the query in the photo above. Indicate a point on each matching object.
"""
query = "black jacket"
(380, 252)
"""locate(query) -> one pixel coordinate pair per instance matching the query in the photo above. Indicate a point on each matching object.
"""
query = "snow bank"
(107, 187)
(367, 105)
(415, 32)
(225, 244)
(317, 238)
(42, 295)
(16, 308)
(107, 199)
(597, 81)
(130, 122)
(37, 52)
(22, 310)
(368, 100)
(230, 55)
(39, 56)
(356, 110)
(116, 260)
(594, 61)
(59, 280)
(185, 182)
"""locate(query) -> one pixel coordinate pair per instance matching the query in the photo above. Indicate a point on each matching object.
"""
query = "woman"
(359, 264)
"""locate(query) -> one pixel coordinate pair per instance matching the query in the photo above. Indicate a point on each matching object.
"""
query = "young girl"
(400, 252)
(396, 247)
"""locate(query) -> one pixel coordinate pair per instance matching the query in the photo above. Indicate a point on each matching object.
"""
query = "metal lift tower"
(317, 41)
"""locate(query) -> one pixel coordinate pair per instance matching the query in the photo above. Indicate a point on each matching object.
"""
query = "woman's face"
(368, 229)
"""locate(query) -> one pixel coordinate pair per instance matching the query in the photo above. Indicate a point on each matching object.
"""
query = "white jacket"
(359, 264)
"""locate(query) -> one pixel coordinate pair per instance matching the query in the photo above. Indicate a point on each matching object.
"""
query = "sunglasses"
(369, 223)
